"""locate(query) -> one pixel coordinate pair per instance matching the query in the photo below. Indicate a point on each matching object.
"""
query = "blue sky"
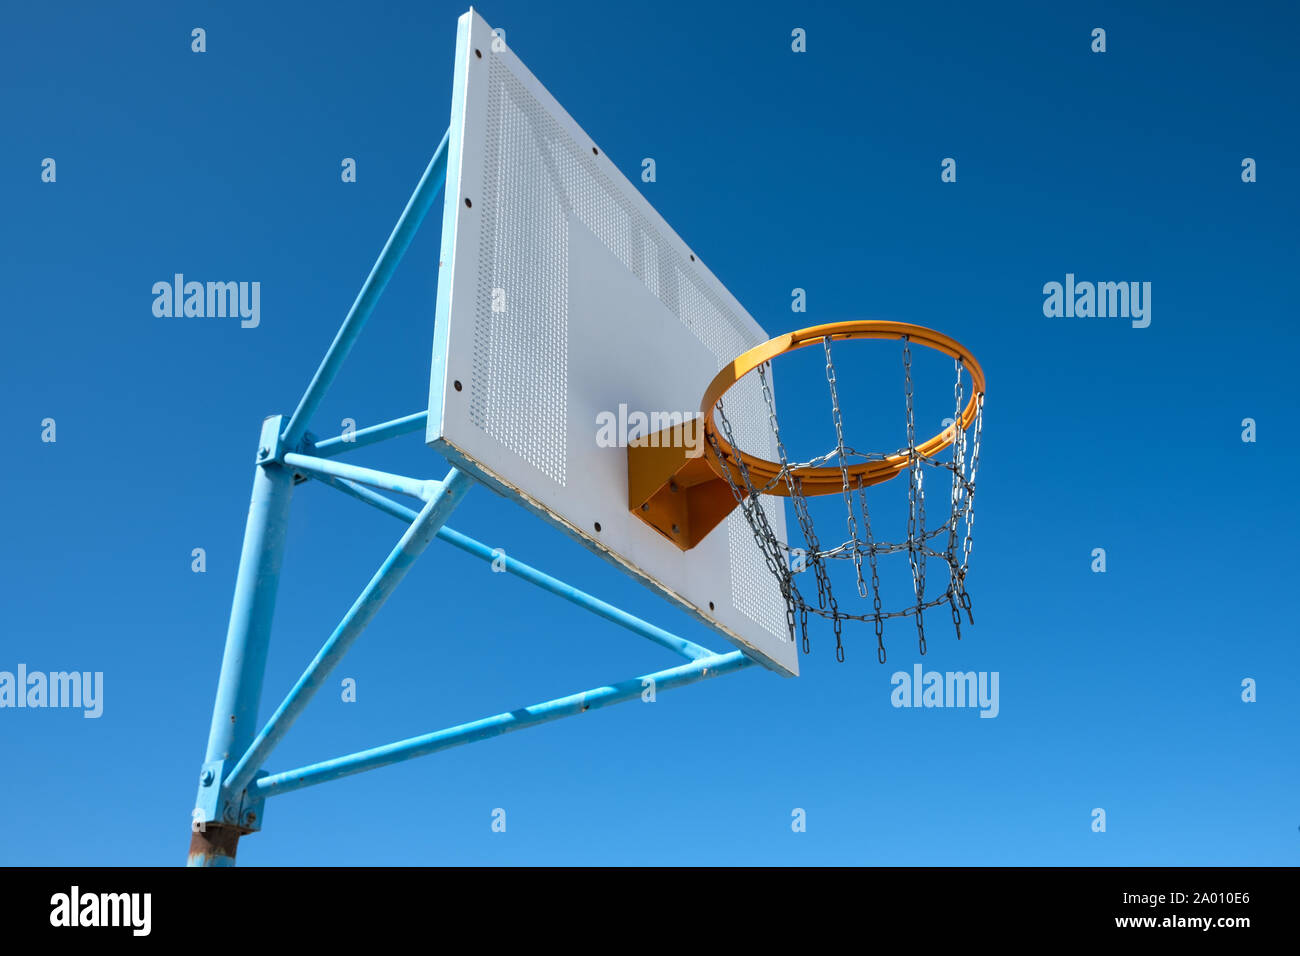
(817, 170)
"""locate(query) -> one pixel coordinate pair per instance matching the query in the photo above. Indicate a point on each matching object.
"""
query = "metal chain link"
(763, 535)
(875, 577)
(969, 511)
(844, 468)
(915, 499)
(956, 500)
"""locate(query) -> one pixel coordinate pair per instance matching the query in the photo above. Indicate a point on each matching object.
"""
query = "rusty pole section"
(215, 845)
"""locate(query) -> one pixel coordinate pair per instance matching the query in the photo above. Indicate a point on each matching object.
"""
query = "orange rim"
(828, 480)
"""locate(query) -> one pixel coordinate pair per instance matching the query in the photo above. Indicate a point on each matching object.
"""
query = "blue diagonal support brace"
(426, 191)
(385, 581)
(322, 467)
(651, 632)
(702, 669)
(329, 447)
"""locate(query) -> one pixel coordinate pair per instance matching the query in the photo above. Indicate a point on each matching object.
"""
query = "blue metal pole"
(713, 666)
(674, 643)
(329, 447)
(407, 224)
(415, 487)
(239, 689)
(385, 581)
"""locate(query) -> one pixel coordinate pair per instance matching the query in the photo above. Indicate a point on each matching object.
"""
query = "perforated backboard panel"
(563, 295)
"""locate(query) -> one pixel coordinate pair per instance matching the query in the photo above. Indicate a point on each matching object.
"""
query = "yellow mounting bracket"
(672, 487)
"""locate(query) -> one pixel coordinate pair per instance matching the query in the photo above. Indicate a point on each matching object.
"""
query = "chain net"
(948, 542)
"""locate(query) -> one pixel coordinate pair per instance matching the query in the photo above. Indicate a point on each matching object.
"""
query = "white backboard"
(563, 295)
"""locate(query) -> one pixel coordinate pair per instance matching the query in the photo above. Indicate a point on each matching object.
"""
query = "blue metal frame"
(232, 784)
(678, 645)
(426, 191)
(381, 586)
(715, 665)
(318, 467)
(330, 447)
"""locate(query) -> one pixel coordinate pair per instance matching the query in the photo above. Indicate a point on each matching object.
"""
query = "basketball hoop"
(694, 497)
